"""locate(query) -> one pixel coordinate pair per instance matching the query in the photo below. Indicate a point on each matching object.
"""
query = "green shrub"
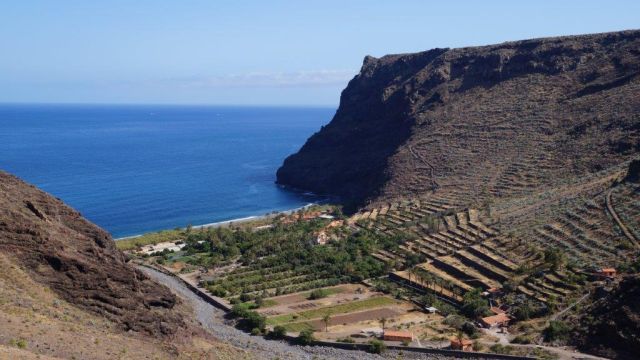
(244, 297)
(554, 258)
(306, 337)
(346, 340)
(377, 347)
(248, 319)
(278, 332)
(318, 294)
(255, 331)
(254, 320)
(556, 331)
(470, 329)
(501, 349)
(474, 304)
(477, 346)
(521, 339)
(217, 291)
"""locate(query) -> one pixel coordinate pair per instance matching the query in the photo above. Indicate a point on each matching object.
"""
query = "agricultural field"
(383, 266)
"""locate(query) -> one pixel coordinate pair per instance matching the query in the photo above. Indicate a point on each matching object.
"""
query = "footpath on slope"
(618, 221)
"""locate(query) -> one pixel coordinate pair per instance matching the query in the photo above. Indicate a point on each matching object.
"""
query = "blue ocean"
(133, 169)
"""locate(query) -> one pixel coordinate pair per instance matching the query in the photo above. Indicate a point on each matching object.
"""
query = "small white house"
(431, 310)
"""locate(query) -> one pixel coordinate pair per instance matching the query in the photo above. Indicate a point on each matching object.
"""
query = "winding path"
(618, 221)
(428, 164)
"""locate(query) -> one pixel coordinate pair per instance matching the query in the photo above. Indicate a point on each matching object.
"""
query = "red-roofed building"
(391, 335)
(495, 320)
(607, 273)
(461, 344)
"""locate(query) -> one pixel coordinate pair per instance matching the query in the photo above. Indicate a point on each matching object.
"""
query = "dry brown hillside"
(478, 124)
(67, 292)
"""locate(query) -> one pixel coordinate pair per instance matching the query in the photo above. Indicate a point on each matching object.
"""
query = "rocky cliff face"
(79, 261)
(610, 326)
(478, 123)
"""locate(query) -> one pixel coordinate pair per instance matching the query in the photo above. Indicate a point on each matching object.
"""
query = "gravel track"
(212, 319)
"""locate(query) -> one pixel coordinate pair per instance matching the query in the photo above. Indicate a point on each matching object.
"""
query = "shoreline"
(241, 220)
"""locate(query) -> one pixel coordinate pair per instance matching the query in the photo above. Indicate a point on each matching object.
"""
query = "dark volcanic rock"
(485, 121)
(633, 174)
(79, 261)
(610, 327)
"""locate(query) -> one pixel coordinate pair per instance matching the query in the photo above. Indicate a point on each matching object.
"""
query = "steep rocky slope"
(66, 292)
(611, 324)
(79, 261)
(480, 123)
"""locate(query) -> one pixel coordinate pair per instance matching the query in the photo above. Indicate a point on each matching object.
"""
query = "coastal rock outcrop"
(79, 261)
(479, 122)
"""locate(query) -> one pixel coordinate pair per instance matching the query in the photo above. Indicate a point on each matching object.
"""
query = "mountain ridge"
(411, 124)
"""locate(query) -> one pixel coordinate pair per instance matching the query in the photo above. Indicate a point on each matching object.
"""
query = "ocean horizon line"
(195, 105)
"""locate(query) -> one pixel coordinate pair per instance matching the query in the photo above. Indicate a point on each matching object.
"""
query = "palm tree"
(460, 337)
(326, 319)
(383, 322)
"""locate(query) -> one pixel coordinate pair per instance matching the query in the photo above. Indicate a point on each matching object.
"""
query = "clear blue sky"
(251, 52)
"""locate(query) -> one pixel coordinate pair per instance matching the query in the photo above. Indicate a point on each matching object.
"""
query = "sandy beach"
(244, 220)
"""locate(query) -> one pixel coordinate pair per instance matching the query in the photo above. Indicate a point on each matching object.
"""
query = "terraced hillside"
(480, 124)
(465, 249)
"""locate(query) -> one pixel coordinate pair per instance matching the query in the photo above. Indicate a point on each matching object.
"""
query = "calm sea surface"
(133, 169)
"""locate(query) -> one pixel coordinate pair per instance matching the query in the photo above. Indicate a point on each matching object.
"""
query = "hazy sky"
(251, 52)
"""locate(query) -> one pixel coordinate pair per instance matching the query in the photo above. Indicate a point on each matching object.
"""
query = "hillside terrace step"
(493, 258)
(477, 234)
(567, 236)
(545, 293)
(390, 255)
(451, 222)
(482, 266)
(454, 272)
(465, 273)
(445, 276)
(443, 249)
(561, 292)
(460, 242)
(417, 248)
(445, 240)
(480, 227)
(531, 294)
(461, 217)
(431, 248)
(463, 235)
(402, 278)
(411, 249)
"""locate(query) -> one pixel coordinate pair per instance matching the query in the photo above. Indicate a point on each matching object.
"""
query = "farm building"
(397, 335)
(495, 320)
(461, 344)
(607, 273)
